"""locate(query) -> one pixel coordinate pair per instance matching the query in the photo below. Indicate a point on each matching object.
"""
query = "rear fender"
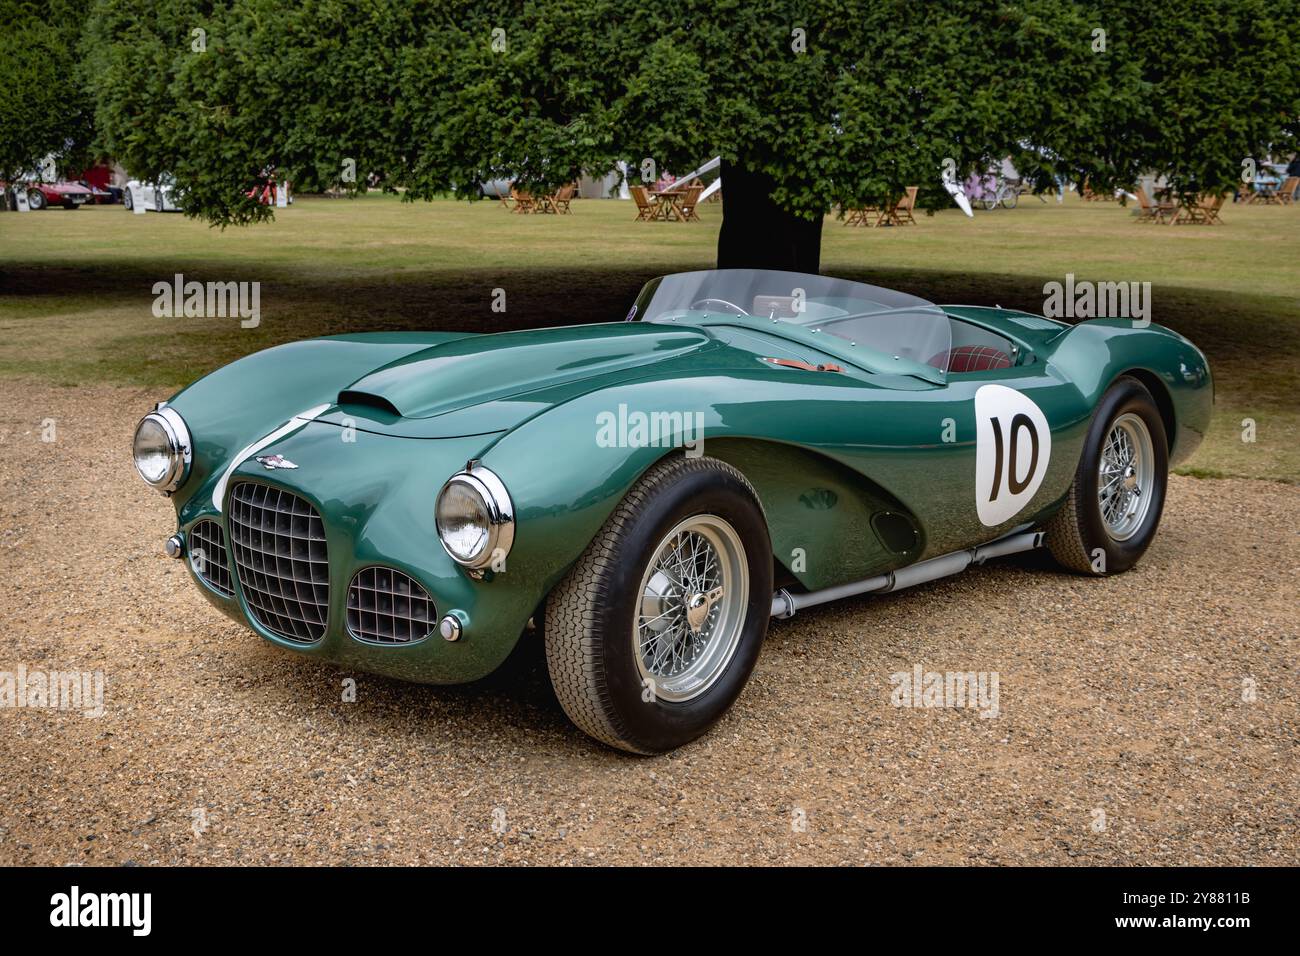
(1093, 354)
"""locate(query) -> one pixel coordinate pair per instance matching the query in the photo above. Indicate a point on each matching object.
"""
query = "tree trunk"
(757, 233)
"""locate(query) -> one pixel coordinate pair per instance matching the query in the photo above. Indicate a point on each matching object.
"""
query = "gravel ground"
(1123, 735)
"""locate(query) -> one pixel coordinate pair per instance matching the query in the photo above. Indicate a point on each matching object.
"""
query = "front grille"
(281, 558)
(388, 607)
(207, 549)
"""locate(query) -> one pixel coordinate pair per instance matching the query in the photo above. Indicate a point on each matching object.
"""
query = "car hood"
(511, 371)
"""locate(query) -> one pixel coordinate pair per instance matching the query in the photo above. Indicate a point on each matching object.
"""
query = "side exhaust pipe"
(785, 604)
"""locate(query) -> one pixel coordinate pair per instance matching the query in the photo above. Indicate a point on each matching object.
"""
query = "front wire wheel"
(692, 609)
(653, 633)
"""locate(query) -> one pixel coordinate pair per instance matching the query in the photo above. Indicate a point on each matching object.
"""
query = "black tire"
(36, 199)
(1077, 535)
(591, 615)
(127, 201)
(158, 200)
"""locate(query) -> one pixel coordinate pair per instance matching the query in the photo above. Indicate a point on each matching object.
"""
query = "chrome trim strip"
(241, 456)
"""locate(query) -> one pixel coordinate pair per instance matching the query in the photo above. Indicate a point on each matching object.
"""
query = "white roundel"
(1012, 447)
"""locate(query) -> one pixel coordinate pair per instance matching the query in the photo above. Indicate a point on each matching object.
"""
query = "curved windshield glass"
(894, 324)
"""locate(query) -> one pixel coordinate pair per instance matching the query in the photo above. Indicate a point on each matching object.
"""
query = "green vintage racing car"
(649, 493)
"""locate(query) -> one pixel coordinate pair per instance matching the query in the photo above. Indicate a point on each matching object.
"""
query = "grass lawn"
(75, 287)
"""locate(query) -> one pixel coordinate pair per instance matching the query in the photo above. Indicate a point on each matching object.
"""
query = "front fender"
(239, 403)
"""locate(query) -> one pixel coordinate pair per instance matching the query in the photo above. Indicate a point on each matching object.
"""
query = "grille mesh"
(388, 607)
(281, 558)
(207, 549)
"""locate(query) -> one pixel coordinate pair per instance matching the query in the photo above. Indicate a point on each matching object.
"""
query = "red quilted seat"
(972, 358)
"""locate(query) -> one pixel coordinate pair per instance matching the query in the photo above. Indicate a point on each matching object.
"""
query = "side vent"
(895, 531)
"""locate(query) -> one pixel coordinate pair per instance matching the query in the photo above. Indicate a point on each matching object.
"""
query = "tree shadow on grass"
(1251, 341)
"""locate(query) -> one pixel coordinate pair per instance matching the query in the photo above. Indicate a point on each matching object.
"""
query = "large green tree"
(44, 106)
(809, 104)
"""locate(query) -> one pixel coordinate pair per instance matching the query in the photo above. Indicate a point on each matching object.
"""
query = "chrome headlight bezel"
(498, 506)
(180, 449)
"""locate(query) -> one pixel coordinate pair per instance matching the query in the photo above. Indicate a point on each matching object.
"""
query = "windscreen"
(894, 324)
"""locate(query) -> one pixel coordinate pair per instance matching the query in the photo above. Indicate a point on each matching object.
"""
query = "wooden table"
(668, 204)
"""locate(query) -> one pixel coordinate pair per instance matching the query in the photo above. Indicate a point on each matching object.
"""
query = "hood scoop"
(483, 368)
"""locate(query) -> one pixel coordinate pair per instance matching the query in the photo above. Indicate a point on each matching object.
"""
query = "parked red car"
(62, 193)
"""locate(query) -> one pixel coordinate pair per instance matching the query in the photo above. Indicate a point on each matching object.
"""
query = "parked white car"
(157, 197)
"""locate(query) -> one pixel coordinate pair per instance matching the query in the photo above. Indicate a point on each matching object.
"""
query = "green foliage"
(838, 101)
(1191, 91)
(43, 107)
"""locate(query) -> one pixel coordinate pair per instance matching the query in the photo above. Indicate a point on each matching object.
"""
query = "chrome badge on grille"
(272, 462)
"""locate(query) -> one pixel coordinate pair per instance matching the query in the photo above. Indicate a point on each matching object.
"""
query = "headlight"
(475, 518)
(162, 450)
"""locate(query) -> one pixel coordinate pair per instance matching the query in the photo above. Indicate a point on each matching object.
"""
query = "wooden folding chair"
(563, 196)
(1286, 192)
(1160, 211)
(524, 202)
(1147, 210)
(1210, 206)
(646, 210)
(686, 204)
(504, 197)
(900, 214)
